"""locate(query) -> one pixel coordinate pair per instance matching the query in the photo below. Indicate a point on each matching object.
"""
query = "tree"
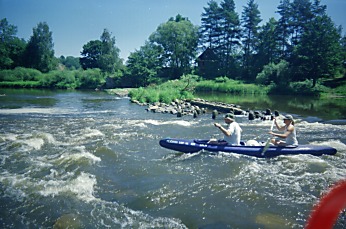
(144, 64)
(268, 47)
(220, 32)
(231, 33)
(250, 19)
(179, 40)
(343, 54)
(283, 29)
(70, 62)
(109, 60)
(319, 52)
(211, 26)
(11, 47)
(102, 54)
(39, 53)
(91, 53)
(301, 14)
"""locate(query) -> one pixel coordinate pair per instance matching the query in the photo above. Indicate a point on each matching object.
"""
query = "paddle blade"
(272, 126)
(266, 146)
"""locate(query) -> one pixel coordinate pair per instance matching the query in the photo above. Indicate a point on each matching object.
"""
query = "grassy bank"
(226, 85)
(166, 92)
(187, 86)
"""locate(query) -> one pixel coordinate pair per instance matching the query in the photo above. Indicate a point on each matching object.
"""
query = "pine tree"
(283, 29)
(268, 47)
(210, 29)
(231, 33)
(250, 19)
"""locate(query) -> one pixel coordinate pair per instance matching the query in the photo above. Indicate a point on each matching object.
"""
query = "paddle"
(266, 146)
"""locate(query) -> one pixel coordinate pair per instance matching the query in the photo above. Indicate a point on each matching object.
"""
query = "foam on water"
(82, 187)
(112, 215)
(90, 133)
(8, 137)
(173, 122)
(29, 110)
(76, 157)
(85, 135)
(339, 146)
(34, 143)
(83, 164)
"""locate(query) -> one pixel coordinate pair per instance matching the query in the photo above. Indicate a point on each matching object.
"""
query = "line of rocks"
(199, 106)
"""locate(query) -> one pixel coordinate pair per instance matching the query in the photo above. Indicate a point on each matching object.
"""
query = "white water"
(99, 164)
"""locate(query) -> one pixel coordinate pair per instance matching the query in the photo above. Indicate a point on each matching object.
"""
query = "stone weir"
(220, 107)
(191, 107)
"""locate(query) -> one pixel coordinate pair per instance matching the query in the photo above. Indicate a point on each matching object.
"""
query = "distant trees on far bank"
(303, 45)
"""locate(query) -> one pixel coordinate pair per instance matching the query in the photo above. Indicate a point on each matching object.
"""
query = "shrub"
(276, 73)
(226, 85)
(20, 74)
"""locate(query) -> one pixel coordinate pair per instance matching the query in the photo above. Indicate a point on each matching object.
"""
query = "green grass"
(166, 92)
(187, 85)
(20, 84)
(226, 85)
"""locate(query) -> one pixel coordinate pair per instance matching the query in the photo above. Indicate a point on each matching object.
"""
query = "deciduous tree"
(39, 53)
(178, 38)
(11, 47)
(144, 64)
(319, 52)
(102, 54)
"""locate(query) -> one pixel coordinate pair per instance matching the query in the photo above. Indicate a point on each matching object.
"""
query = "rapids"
(92, 160)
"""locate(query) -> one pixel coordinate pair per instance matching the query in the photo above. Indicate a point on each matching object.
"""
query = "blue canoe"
(195, 145)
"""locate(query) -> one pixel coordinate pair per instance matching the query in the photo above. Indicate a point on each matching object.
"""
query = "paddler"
(289, 135)
(232, 132)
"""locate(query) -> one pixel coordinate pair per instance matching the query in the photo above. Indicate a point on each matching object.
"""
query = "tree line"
(304, 44)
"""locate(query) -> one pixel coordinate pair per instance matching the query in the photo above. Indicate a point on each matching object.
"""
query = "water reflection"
(305, 106)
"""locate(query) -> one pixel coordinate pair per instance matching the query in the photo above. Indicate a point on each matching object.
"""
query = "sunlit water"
(92, 160)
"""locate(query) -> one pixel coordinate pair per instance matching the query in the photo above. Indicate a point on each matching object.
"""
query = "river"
(85, 159)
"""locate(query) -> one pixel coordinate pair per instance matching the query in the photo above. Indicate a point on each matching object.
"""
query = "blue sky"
(76, 22)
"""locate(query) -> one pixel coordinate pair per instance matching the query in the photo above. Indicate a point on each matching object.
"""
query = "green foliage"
(39, 53)
(20, 84)
(223, 84)
(102, 54)
(59, 79)
(11, 47)
(86, 79)
(91, 78)
(268, 48)
(274, 73)
(179, 39)
(306, 88)
(251, 19)
(166, 92)
(221, 32)
(70, 62)
(340, 90)
(20, 74)
(144, 64)
(326, 58)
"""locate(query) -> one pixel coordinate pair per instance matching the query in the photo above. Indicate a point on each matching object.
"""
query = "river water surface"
(92, 160)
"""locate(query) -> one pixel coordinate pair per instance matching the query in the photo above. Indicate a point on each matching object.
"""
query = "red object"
(327, 211)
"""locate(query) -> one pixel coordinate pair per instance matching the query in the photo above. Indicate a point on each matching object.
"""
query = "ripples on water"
(93, 161)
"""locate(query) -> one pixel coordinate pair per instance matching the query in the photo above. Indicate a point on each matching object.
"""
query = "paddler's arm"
(280, 128)
(284, 135)
(223, 130)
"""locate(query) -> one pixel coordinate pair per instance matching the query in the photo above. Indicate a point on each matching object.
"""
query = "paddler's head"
(229, 118)
(288, 119)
